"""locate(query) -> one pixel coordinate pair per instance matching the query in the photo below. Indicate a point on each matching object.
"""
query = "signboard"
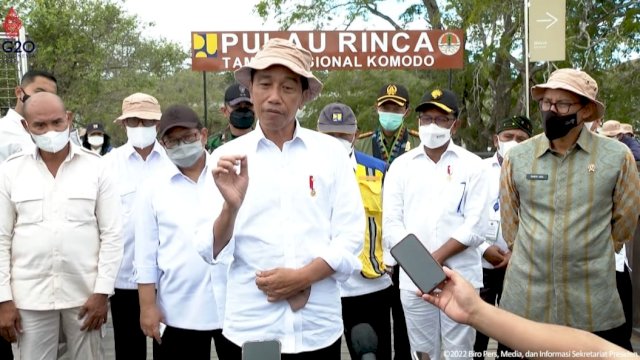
(547, 30)
(335, 50)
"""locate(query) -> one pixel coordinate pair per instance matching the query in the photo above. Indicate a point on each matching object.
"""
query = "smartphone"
(261, 350)
(418, 263)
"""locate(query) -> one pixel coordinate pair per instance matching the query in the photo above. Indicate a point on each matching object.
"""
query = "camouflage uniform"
(221, 137)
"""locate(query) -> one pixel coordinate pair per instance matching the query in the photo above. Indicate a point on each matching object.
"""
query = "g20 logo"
(16, 46)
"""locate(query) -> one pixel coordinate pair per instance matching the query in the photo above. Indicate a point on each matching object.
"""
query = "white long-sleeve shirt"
(13, 137)
(60, 238)
(130, 171)
(302, 203)
(436, 202)
(493, 234)
(169, 212)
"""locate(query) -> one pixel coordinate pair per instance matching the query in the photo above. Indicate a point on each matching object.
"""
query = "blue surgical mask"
(390, 121)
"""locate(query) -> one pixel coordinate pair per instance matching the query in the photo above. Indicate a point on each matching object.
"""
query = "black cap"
(94, 127)
(395, 93)
(444, 100)
(236, 94)
(178, 116)
(519, 122)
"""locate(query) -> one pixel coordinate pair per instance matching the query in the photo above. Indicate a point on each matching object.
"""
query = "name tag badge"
(537, 177)
(492, 231)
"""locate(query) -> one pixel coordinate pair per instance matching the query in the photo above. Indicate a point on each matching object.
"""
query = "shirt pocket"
(81, 205)
(455, 197)
(127, 197)
(371, 192)
(29, 206)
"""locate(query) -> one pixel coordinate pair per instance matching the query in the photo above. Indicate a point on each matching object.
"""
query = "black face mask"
(556, 126)
(242, 118)
(25, 96)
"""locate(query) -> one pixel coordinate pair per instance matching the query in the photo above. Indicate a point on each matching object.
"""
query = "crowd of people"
(271, 231)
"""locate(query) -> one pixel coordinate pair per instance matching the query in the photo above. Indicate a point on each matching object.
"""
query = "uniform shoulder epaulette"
(414, 133)
(365, 135)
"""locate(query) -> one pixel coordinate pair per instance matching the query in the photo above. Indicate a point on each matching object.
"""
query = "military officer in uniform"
(238, 109)
(392, 138)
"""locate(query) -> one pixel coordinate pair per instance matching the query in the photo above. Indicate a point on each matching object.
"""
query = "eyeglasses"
(562, 107)
(170, 143)
(135, 122)
(440, 120)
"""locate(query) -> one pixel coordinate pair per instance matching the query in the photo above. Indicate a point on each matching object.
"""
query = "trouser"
(375, 310)
(41, 330)
(623, 282)
(401, 348)
(331, 352)
(491, 291)
(431, 331)
(5, 349)
(130, 342)
(177, 342)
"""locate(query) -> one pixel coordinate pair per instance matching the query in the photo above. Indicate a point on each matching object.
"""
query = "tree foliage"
(600, 35)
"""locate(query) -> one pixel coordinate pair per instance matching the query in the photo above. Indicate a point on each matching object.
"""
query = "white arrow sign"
(551, 20)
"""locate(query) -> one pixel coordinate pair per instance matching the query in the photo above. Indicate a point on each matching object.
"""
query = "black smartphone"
(418, 263)
(261, 350)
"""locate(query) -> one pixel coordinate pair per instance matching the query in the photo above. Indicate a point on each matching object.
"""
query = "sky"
(175, 20)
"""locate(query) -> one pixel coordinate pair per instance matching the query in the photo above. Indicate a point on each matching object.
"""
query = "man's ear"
(18, 92)
(588, 112)
(455, 126)
(495, 140)
(406, 113)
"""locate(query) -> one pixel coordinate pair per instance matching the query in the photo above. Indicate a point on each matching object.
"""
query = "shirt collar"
(131, 151)
(73, 151)
(14, 116)
(257, 135)
(174, 171)
(451, 148)
(494, 160)
(584, 142)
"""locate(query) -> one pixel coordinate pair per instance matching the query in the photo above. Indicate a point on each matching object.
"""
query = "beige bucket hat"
(140, 106)
(576, 81)
(282, 52)
(611, 128)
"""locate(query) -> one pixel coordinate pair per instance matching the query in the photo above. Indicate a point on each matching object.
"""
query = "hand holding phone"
(418, 263)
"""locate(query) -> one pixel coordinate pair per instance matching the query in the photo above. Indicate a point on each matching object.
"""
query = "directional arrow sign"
(547, 30)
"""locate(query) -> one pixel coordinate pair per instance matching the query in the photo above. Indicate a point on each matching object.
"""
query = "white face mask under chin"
(433, 136)
(504, 146)
(141, 136)
(52, 141)
(348, 145)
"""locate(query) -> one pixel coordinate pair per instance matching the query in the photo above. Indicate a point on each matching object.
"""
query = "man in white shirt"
(295, 231)
(437, 192)
(495, 253)
(366, 295)
(60, 245)
(131, 165)
(171, 207)
(13, 136)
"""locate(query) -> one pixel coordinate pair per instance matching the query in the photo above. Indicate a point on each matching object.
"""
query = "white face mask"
(141, 136)
(433, 136)
(96, 140)
(504, 146)
(185, 155)
(588, 125)
(52, 141)
(348, 145)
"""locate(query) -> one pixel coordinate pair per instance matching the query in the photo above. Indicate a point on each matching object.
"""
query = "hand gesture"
(150, 319)
(231, 183)
(10, 323)
(279, 283)
(493, 255)
(457, 298)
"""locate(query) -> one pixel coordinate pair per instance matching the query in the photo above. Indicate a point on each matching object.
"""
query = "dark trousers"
(375, 310)
(491, 291)
(177, 342)
(331, 352)
(130, 342)
(623, 282)
(5, 349)
(401, 347)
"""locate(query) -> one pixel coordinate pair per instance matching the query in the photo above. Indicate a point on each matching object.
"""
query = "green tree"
(97, 52)
(600, 34)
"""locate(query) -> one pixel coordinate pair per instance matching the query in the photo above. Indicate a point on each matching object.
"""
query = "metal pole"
(204, 92)
(526, 57)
